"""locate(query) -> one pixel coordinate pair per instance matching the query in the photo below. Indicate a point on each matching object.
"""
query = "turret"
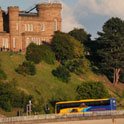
(1, 20)
(13, 20)
(50, 12)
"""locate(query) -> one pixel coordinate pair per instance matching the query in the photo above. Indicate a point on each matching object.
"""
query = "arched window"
(25, 27)
(6, 46)
(5, 42)
(14, 43)
(38, 41)
(28, 27)
(27, 41)
(32, 27)
(55, 25)
(42, 27)
(17, 26)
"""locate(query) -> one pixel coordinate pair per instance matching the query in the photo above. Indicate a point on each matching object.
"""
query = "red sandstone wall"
(47, 13)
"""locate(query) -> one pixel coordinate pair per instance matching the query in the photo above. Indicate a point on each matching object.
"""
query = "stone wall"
(42, 24)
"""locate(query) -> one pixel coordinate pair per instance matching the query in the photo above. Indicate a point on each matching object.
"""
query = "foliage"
(47, 54)
(92, 90)
(110, 47)
(11, 97)
(3, 75)
(39, 106)
(62, 73)
(27, 67)
(62, 46)
(81, 35)
(38, 53)
(77, 66)
(33, 53)
(69, 52)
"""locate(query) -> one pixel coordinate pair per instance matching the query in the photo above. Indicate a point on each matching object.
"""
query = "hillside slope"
(47, 87)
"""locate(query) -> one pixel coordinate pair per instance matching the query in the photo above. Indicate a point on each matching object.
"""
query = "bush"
(92, 90)
(62, 46)
(77, 65)
(11, 97)
(33, 53)
(27, 67)
(47, 54)
(39, 106)
(3, 75)
(62, 73)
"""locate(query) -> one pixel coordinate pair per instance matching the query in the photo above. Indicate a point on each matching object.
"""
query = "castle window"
(27, 41)
(32, 40)
(17, 26)
(43, 27)
(4, 42)
(38, 41)
(43, 40)
(6, 46)
(14, 43)
(25, 27)
(28, 27)
(55, 25)
(32, 27)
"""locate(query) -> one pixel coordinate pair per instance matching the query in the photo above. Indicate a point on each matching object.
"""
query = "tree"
(82, 36)
(11, 96)
(66, 47)
(69, 52)
(47, 54)
(27, 67)
(62, 73)
(62, 46)
(110, 47)
(92, 90)
(33, 53)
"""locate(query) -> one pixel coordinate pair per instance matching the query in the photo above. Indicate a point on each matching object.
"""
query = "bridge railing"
(56, 116)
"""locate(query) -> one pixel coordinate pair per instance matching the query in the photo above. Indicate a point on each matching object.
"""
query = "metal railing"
(60, 116)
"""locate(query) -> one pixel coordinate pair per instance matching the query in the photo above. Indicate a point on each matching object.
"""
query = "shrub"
(27, 67)
(92, 90)
(47, 54)
(11, 97)
(3, 75)
(62, 73)
(33, 53)
(39, 106)
(62, 46)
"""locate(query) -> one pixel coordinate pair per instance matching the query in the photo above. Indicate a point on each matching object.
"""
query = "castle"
(19, 28)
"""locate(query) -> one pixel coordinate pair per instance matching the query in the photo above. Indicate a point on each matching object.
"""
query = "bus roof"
(85, 100)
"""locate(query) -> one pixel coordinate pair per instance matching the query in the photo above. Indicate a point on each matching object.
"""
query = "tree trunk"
(116, 76)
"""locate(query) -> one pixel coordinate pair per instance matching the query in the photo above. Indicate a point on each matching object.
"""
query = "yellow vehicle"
(85, 105)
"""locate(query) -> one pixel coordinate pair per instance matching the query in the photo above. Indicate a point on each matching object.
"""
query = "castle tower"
(50, 15)
(14, 27)
(1, 20)
(13, 20)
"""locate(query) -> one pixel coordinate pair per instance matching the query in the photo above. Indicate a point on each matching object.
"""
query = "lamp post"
(28, 108)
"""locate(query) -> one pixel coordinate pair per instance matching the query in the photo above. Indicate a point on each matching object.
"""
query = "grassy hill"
(47, 87)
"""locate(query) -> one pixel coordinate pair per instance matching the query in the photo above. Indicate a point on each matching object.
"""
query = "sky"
(87, 14)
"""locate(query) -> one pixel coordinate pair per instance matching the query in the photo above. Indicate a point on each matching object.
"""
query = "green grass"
(44, 85)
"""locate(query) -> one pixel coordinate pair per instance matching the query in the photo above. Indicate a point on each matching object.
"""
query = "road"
(104, 121)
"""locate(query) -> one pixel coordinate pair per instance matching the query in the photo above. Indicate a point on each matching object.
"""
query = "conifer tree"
(110, 45)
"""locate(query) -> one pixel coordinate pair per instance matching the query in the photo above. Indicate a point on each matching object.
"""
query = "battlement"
(13, 8)
(49, 5)
(25, 27)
